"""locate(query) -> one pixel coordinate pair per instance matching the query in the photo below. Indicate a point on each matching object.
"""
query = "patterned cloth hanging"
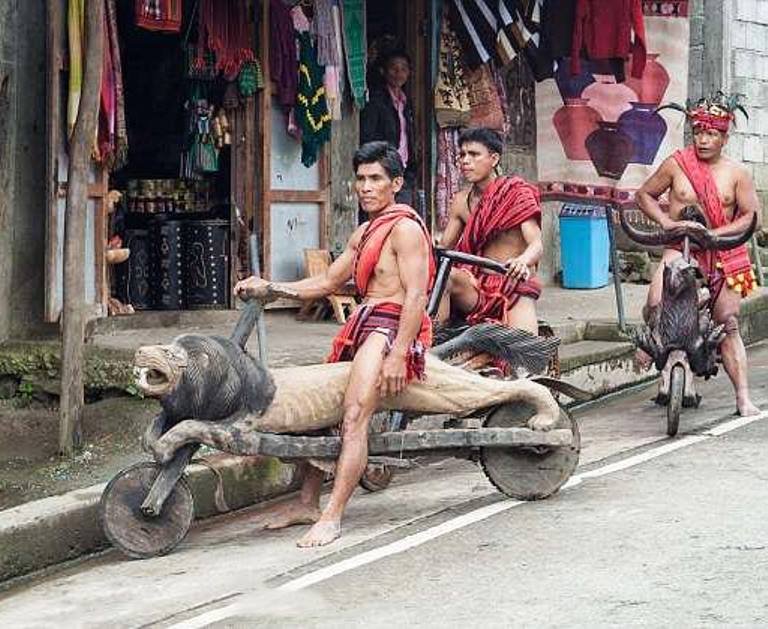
(312, 112)
(324, 31)
(113, 131)
(159, 15)
(500, 30)
(355, 47)
(223, 29)
(282, 53)
(76, 38)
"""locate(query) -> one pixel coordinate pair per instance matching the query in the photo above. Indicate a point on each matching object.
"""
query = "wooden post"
(73, 312)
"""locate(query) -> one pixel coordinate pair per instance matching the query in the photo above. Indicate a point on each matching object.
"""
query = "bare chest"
(683, 193)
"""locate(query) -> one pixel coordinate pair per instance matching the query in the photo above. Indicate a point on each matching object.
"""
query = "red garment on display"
(734, 263)
(159, 15)
(603, 29)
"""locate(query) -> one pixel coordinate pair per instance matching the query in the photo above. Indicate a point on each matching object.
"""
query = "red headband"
(702, 119)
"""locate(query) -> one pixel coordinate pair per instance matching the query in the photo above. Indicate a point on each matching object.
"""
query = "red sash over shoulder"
(506, 203)
(734, 263)
(373, 239)
(382, 318)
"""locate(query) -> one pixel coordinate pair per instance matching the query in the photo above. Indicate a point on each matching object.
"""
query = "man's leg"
(460, 293)
(732, 350)
(305, 509)
(523, 315)
(654, 299)
(359, 403)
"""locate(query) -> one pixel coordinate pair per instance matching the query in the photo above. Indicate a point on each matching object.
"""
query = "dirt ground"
(29, 465)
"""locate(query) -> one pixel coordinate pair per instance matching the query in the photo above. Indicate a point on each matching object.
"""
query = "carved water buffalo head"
(680, 276)
(158, 369)
(704, 239)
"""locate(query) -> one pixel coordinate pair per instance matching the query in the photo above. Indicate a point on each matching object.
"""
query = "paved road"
(651, 532)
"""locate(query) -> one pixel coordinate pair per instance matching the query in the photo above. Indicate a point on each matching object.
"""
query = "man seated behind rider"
(496, 217)
(723, 190)
(391, 260)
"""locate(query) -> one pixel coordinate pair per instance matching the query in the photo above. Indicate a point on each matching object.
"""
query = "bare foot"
(643, 360)
(321, 534)
(287, 514)
(746, 408)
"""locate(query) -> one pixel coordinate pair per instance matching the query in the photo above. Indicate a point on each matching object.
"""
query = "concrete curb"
(46, 532)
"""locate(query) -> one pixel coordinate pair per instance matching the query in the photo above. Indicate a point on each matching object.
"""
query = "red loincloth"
(498, 294)
(734, 264)
(506, 203)
(383, 317)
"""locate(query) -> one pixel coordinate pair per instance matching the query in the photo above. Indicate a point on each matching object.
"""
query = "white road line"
(721, 429)
(478, 515)
(406, 543)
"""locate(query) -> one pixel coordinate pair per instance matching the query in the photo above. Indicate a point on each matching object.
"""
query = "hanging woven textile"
(113, 132)
(223, 29)
(324, 31)
(76, 36)
(353, 26)
(282, 53)
(312, 112)
(159, 15)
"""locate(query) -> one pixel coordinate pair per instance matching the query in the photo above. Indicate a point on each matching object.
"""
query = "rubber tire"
(675, 403)
(129, 530)
(529, 473)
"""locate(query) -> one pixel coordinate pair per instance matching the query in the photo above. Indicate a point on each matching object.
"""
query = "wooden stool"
(316, 263)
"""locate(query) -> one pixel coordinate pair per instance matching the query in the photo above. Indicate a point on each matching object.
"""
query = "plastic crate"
(584, 246)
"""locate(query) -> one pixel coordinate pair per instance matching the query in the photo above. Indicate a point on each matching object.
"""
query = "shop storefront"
(223, 118)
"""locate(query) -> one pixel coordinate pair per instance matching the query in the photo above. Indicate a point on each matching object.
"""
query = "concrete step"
(601, 367)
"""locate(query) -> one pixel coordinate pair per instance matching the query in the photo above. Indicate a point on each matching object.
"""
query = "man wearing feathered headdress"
(724, 191)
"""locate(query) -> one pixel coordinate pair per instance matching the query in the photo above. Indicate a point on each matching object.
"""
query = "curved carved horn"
(730, 242)
(649, 238)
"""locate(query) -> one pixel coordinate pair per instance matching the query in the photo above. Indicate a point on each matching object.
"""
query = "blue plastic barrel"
(584, 246)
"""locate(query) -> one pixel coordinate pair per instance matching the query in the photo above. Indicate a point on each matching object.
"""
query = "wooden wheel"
(377, 476)
(675, 402)
(529, 473)
(135, 534)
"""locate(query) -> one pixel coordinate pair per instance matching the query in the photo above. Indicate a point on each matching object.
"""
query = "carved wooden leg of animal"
(220, 435)
(732, 349)
(153, 433)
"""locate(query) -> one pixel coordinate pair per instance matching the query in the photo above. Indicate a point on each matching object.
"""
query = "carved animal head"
(206, 377)
(681, 277)
(158, 369)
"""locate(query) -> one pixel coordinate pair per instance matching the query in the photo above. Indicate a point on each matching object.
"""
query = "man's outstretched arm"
(338, 273)
(412, 255)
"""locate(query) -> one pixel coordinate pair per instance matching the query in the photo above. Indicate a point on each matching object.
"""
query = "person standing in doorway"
(388, 116)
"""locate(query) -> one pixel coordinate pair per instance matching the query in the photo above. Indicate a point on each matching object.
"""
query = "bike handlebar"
(468, 258)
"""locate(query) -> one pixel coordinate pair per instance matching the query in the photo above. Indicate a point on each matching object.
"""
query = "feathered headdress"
(717, 111)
